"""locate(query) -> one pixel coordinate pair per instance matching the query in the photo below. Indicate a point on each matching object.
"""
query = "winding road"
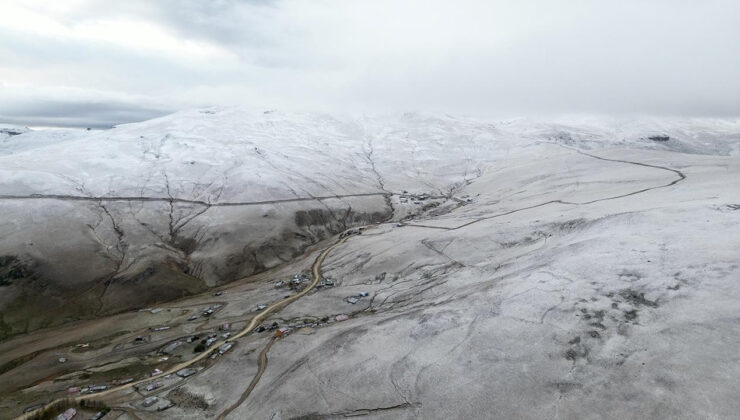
(256, 320)
(680, 176)
(316, 273)
(257, 376)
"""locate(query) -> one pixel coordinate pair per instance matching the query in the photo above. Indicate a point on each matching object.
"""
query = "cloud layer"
(97, 63)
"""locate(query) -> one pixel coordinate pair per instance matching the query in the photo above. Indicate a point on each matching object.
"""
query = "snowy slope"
(7, 131)
(555, 269)
(238, 155)
(201, 197)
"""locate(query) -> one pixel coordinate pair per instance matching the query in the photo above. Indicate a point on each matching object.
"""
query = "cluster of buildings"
(356, 298)
(211, 309)
(325, 282)
(350, 232)
(405, 197)
(465, 199)
(295, 283)
(90, 389)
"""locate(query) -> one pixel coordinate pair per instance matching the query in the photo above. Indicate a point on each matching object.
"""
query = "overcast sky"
(97, 63)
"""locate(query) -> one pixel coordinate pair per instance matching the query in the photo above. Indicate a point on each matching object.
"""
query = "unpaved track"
(680, 177)
(257, 376)
(315, 270)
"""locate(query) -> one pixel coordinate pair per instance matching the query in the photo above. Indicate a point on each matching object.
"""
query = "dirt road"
(316, 272)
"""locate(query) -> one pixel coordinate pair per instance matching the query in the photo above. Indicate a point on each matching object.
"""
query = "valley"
(410, 266)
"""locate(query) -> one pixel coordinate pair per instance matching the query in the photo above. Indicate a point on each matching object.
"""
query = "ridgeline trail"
(63, 197)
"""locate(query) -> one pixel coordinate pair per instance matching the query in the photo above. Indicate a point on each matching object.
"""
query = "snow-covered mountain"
(7, 131)
(101, 221)
(578, 268)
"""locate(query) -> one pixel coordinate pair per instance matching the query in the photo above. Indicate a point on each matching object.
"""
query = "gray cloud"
(230, 22)
(79, 113)
(99, 63)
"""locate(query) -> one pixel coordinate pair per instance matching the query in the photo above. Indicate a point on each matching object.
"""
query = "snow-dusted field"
(569, 269)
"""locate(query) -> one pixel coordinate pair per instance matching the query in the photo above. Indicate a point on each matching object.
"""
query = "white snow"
(593, 273)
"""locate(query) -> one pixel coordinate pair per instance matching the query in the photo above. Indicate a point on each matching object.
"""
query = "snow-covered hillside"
(151, 211)
(7, 131)
(580, 268)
